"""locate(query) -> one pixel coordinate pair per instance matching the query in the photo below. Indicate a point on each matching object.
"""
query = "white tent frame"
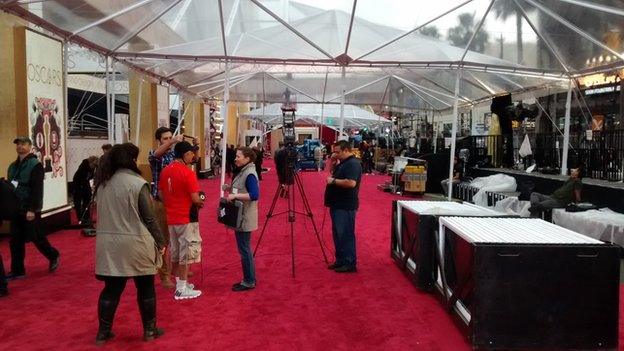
(15, 7)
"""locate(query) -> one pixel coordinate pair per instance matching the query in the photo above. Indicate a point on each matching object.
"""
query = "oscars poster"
(46, 114)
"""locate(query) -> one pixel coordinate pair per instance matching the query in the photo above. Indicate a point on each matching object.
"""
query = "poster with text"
(46, 113)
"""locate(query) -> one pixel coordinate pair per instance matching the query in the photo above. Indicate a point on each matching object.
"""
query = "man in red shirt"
(179, 190)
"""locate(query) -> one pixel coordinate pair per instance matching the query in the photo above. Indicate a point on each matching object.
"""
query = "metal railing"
(601, 156)
(492, 150)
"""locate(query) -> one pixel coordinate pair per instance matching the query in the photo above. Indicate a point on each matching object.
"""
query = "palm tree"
(505, 9)
(573, 48)
(460, 35)
(430, 31)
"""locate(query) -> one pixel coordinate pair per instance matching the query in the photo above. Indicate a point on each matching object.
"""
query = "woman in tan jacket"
(129, 240)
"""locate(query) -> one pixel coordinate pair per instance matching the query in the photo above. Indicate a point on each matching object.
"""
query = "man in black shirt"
(259, 158)
(341, 196)
(81, 184)
(26, 174)
(280, 163)
(230, 155)
(569, 192)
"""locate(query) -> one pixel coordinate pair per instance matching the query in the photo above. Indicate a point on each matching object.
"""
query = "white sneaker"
(190, 286)
(186, 293)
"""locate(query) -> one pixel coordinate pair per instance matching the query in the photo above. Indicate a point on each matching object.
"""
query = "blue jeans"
(243, 241)
(343, 231)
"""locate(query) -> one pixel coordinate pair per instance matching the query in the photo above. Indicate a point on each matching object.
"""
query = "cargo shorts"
(185, 243)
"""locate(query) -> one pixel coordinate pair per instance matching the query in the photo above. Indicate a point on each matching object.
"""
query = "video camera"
(288, 129)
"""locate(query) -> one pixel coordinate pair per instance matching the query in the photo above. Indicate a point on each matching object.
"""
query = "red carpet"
(376, 308)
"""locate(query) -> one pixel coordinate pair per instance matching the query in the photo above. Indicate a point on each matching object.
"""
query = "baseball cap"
(183, 147)
(22, 139)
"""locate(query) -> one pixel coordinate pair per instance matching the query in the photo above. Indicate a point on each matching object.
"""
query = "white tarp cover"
(604, 224)
(496, 182)
(445, 208)
(513, 206)
(329, 115)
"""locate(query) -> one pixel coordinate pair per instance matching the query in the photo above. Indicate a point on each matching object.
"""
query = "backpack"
(10, 204)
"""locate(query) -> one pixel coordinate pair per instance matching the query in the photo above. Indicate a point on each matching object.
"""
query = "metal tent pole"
(224, 128)
(66, 89)
(435, 132)
(138, 116)
(108, 110)
(193, 116)
(566, 131)
(113, 86)
(342, 102)
(453, 136)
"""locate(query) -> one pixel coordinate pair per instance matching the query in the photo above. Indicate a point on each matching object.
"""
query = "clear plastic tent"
(329, 115)
(402, 54)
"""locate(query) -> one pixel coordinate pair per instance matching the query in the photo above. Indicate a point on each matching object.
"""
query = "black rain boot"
(147, 307)
(106, 314)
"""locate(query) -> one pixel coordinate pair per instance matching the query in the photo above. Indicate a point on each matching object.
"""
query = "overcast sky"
(408, 14)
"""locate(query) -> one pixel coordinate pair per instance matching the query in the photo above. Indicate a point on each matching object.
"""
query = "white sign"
(122, 128)
(46, 107)
(84, 60)
(162, 105)
(602, 90)
(87, 82)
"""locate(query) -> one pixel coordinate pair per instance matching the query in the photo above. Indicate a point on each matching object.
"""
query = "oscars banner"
(46, 114)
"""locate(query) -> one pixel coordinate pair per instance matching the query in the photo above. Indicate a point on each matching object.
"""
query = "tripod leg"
(309, 213)
(292, 247)
(291, 219)
(268, 216)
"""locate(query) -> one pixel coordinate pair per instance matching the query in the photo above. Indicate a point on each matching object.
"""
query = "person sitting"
(569, 192)
(458, 174)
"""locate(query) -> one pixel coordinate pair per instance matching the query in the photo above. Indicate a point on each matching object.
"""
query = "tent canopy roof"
(329, 115)
(501, 45)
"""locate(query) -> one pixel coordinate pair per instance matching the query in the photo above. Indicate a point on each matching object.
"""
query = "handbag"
(230, 213)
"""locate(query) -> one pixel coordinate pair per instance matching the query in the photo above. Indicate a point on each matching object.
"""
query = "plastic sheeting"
(525, 148)
(496, 182)
(603, 224)
(513, 206)
(186, 42)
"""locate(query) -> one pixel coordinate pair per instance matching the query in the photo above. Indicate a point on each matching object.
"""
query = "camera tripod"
(288, 191)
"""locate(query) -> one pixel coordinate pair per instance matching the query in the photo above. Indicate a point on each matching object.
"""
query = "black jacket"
(82, 176)
(34, 196)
